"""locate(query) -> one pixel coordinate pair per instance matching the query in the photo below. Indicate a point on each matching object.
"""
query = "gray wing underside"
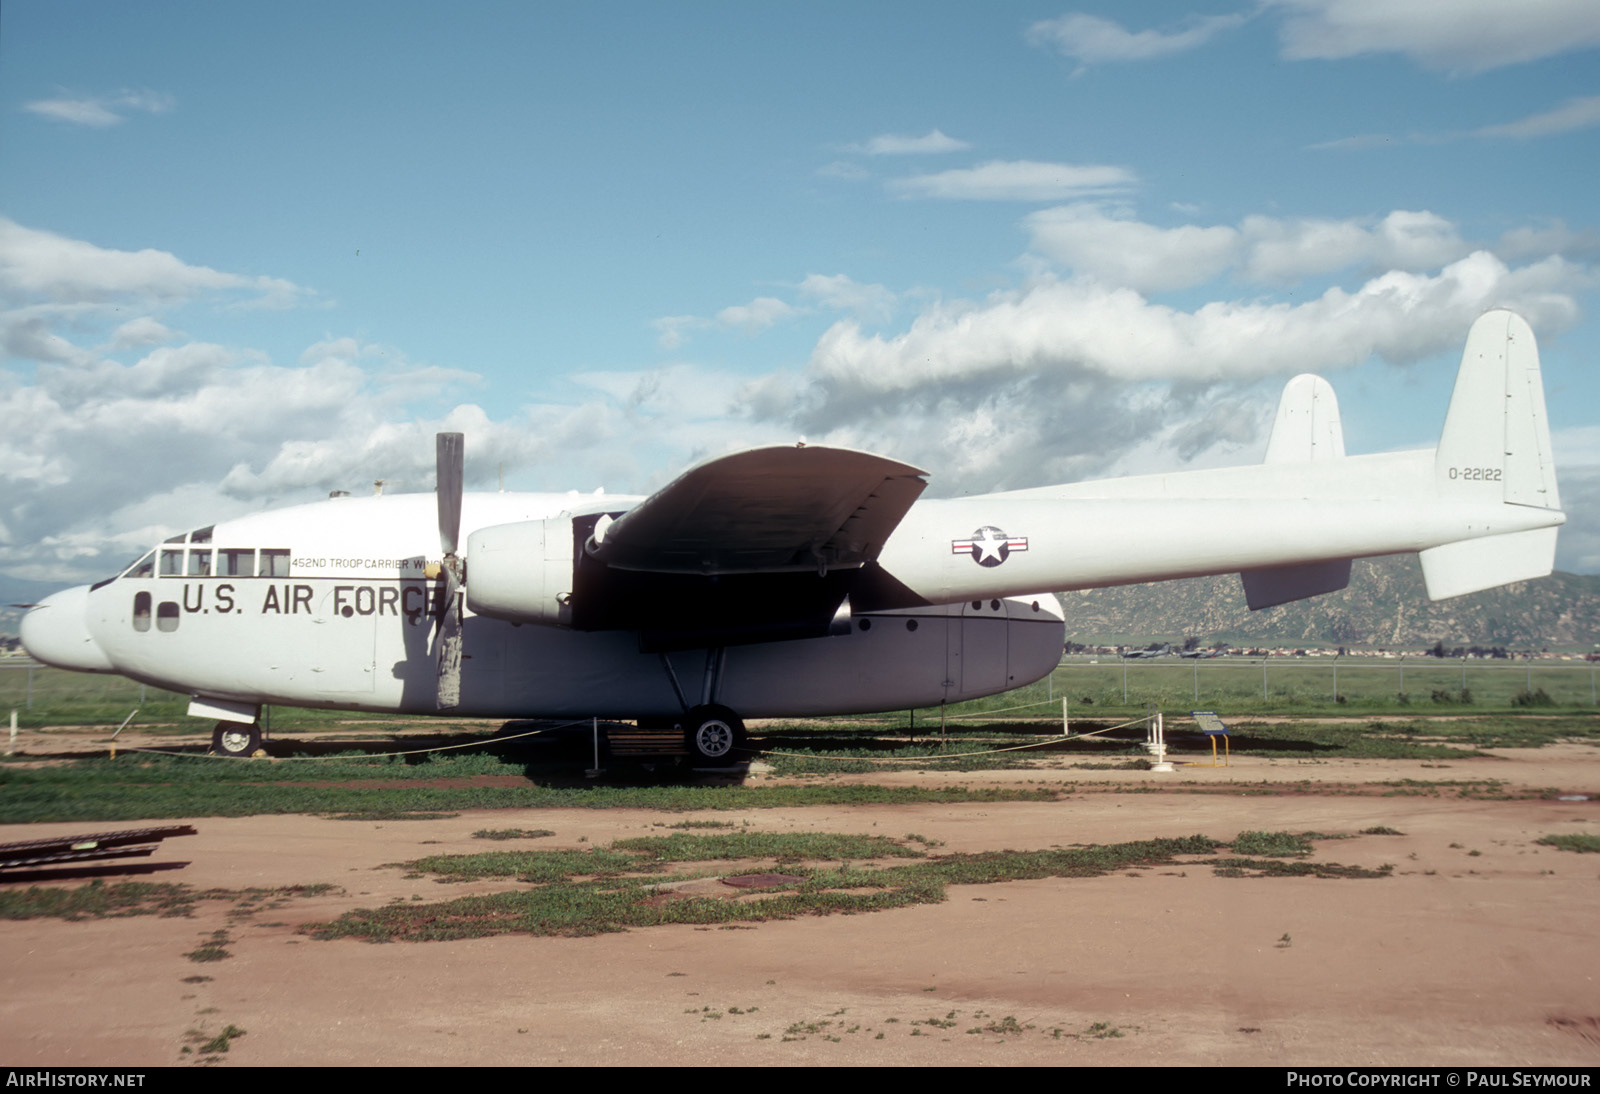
(764, 510)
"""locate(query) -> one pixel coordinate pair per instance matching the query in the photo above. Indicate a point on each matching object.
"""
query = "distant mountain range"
(1386, 605)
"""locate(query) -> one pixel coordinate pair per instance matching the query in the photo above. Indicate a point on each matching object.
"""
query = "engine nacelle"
(522, 572)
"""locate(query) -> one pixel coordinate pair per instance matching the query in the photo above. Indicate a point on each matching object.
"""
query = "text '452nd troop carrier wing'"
(788, 581)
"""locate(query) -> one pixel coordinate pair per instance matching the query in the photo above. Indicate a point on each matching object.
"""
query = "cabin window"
(145, 567)
(167, 616)
(141, 611)
(171, 563)
(236, 562)
(199, 563)
(274, 563)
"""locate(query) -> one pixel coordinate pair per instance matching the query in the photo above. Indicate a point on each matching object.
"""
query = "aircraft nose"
(56, 631)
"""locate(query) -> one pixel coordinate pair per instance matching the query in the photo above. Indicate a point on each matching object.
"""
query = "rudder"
(1496, 440)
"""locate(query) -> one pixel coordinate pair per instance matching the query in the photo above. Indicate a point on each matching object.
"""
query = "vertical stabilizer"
(1307, 426)
(1496, 440)
(1495, 448)
(1306, 430)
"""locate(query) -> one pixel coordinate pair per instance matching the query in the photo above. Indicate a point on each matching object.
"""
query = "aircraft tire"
(714, 734)
(236, 739)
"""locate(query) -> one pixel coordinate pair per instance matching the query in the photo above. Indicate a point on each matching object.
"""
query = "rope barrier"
(369, 755)
(957, 755)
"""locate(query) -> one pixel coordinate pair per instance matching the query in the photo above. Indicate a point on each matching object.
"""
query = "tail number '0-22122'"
(1485, 474)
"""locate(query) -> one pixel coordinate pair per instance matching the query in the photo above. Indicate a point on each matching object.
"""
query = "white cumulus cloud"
(1017, 180)
(1464, 36)
(932, 142)
(1120, 250)
(1094, 40)
(101, 111)
(1574, 114)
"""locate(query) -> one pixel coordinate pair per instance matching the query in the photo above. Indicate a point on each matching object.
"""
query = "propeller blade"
(449, 668)
(448, 486)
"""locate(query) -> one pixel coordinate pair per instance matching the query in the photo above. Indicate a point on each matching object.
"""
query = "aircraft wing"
(754, 546)
(765, 510)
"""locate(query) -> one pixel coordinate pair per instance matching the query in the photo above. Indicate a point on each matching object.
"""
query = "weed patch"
(512, 833)
(1279, 844)
(220, 1042)
(621, 886)
(98, 900)
(1581, 844)
(213, 949)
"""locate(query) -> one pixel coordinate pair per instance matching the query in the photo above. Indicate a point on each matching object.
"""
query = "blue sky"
(249, 254)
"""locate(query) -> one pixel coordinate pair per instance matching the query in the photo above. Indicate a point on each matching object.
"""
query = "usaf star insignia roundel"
(989, 546)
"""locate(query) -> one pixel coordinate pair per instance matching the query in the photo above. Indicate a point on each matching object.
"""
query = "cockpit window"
(145, 567)
(236, 562)
(171, 563)
(199, 563)
(274, 563)
(201, 535)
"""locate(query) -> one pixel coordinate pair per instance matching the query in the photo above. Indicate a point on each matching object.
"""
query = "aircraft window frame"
(144, 567)
(274, 562)
(199, 564)
(171, 563)
(236, 562)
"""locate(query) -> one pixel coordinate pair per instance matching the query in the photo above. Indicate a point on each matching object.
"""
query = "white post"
(1161, 763)
(1064, 730)
(11, 746)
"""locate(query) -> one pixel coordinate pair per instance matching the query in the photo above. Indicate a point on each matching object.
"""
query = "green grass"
(1228, 685)
(684, 847)
(840, 746)
(97, 900)
(145, 787)
(511, 833)
(1582, 844)
(220, 1042)
(622, 886)
(358, 786)
(1307, 685)
(213, 949)
(1277, 844)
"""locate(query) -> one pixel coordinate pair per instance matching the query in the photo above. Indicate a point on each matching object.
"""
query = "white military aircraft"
(787, 581)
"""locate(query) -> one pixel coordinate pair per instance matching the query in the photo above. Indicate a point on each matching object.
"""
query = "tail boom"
(1481, 509)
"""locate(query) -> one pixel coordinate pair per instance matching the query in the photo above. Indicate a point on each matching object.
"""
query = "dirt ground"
(1479, 949)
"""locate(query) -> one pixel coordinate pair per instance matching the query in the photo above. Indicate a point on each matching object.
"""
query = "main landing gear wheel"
(713, 734)
(236, 739)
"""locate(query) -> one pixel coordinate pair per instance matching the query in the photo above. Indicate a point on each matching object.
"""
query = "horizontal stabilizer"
(1281, 584)
(1473, 565)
